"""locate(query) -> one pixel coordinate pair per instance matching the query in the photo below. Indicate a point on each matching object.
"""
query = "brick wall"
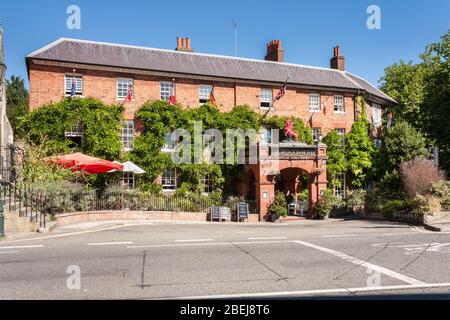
(47, 86)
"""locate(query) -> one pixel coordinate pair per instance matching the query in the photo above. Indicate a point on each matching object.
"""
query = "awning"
(129, 166)
(85, 163)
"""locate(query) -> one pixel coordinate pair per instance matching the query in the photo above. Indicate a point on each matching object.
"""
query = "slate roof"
(109, 54)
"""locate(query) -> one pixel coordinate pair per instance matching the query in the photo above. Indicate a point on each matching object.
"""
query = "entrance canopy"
(85, 163)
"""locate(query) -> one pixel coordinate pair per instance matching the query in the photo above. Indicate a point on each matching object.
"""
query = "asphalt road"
(305, 259)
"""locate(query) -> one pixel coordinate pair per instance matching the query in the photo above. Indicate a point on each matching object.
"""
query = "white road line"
(194, 240)
(204, 244)
(316, 292)
(23, 247)
(362, 263)
(109, 243)
(338, 235)
(2, 252)
(268, 238)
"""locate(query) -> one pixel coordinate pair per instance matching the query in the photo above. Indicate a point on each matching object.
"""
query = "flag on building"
(129, 96)
(324, 107)
(389, 120)
(172, 98)
(72, 89)
(212, 99)
(282, 91)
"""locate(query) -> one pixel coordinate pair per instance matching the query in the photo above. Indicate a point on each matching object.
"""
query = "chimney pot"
(184, 44)
(188, 42)
(274, 51)
(337, 61)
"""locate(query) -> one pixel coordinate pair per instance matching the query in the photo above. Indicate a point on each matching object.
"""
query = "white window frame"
(79, 85)
(169, 182)
(341, 134)
(377, 115)
(339, 191)
(314, 134)
(207, 182)
(339, 106)
(122, 95)
(204, 93)
(265, 99)
(128, 180)
(169, 144)
(127, 135)
(313, 107)
(165, 90)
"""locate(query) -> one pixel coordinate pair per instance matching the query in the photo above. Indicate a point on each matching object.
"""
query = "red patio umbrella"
(88, 164)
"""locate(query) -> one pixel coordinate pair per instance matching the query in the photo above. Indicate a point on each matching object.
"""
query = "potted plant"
(278, 207)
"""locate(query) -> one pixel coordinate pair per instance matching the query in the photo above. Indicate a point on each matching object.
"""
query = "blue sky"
(308, 29)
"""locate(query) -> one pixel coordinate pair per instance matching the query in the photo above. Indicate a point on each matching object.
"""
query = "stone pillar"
(265, 193)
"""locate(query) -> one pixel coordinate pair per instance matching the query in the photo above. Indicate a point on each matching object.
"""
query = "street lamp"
(2, 106)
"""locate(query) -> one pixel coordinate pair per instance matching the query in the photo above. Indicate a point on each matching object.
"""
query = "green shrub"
(356, 198)
(330, 205)
(397, 206)
(279, 205)
(441, 190)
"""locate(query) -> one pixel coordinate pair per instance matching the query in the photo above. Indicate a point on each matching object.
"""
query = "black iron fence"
(41, 203)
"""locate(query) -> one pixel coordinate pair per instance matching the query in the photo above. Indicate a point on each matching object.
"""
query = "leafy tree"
(16, 101)
(401, 143)
(337, 162)
(100, 123)
(423, 93)
(359, 150)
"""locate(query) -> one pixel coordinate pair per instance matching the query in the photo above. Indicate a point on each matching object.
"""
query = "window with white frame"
(314, 102)
(207, 183)
(169, 179)
(378, 143)
(376, 115)
(127, 135)
(169, 143)
(339, 191)
(165, 90)
(128, 180)
(317, 134)
(123, 85)
(339, 104)
(69, 80)
(204, 93)
(341, 134)
(266, 135)
(265, 98)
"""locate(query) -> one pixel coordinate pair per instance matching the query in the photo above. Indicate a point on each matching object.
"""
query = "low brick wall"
(77, 217)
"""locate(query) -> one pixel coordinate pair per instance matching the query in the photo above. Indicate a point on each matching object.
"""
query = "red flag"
(389, 121)
(212, 99)
(324, 107)
(282, 91)
(172, 98)
(129, 97)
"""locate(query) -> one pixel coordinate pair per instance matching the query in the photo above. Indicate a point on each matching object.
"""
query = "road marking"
(23, 247)
(204, 244)
(109, 243)
(316, 292)
(194, 240)
(268, 238)
(2, 252)
(362, 263)
(338, 235)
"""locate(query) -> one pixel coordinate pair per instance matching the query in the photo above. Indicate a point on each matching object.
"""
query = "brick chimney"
(274, 51)
(184, 45)
(338, 61)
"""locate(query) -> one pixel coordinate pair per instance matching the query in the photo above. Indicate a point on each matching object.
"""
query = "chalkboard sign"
(225, 214)
(215, 213)
(242, 211)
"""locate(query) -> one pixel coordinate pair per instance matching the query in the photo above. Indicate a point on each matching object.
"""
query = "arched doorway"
(295, 184)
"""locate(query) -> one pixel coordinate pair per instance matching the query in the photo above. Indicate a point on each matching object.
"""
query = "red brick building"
(106, 71)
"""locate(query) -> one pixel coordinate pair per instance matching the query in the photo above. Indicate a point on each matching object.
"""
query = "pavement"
(336, 258)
